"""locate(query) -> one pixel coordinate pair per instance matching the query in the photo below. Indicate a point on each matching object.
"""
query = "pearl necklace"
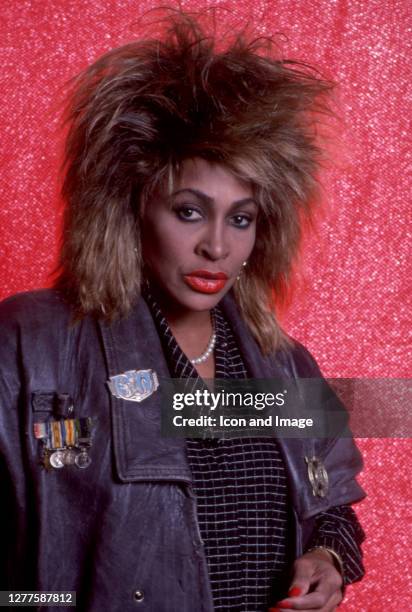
(209, 349)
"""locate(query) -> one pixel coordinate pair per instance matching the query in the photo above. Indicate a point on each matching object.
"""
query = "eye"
(241, 221)
(188, 213)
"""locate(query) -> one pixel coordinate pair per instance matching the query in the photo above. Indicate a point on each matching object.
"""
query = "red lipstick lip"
(212, 283)
(208, 275)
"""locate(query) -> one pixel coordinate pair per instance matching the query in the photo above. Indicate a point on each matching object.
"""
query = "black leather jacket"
(122, 533)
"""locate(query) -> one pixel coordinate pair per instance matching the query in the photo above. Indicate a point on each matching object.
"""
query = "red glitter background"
(351, 303)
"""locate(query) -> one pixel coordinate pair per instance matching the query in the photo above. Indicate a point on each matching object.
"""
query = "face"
(196, 239)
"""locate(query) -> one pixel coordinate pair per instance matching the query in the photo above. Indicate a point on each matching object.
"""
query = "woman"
(187, 172)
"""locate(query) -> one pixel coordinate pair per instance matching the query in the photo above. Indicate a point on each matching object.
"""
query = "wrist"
(331, 555)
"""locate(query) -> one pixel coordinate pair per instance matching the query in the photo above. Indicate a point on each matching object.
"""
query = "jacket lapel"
(141, 453)
(277, 366)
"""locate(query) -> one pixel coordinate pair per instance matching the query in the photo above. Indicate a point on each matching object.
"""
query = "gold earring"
(241, 270)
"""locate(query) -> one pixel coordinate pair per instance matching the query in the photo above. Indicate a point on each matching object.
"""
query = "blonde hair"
(139, 111)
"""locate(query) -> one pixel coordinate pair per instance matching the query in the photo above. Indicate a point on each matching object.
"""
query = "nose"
(213, 243)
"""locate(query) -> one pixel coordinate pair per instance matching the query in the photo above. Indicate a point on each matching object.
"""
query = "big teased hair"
(143, 108)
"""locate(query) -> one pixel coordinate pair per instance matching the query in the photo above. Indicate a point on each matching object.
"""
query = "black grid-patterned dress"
(242, 498)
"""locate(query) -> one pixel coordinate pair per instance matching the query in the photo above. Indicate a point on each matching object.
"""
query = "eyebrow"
(208, 200)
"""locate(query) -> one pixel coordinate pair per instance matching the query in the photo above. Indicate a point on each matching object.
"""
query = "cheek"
(252, 241)
(162, 248)
(244, 248)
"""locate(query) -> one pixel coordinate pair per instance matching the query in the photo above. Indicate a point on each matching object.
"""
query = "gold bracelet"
(338, 563)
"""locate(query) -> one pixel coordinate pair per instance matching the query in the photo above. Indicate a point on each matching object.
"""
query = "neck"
(192, 329)
(190, 322)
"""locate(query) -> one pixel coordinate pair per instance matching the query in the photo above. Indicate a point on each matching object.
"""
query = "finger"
(306, 610)
(333, 609)
(302, 577)
(312, 601)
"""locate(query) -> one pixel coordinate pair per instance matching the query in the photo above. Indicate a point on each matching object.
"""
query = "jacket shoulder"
(29, 322)
(298, 359)
(33, 309)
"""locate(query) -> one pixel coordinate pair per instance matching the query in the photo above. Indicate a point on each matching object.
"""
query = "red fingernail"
(284, 604)
(294, 592)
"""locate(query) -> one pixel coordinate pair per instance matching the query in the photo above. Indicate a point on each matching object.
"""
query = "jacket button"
(138, 596)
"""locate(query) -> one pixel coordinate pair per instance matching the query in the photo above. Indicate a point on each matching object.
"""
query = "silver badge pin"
(318, 476)
(134, 385)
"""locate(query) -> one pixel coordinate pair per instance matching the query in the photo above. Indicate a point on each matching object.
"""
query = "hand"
(316, 584)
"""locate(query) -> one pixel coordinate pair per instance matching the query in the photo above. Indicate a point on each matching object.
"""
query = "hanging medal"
(69, 453)
(41, 432)
(83, 459)
(56, 443)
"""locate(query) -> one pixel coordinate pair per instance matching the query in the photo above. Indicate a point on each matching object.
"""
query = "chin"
(204, 302)
(199, 302)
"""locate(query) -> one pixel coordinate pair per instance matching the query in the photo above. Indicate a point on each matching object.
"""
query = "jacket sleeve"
(338, 528)
(14, 557)
(334, 525)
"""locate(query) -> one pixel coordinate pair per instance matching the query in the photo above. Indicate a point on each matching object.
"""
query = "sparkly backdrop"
(351, 304)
